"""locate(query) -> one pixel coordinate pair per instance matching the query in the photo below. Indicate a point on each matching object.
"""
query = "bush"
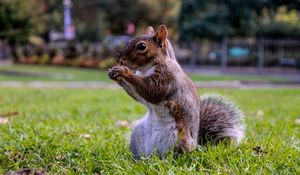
(107, 63)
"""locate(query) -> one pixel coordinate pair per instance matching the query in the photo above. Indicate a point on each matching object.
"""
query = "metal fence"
(259, 54)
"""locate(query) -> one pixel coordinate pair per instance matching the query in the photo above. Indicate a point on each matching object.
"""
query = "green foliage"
(68, 131)
(19, 19)
(161, 12)
(88, 18)
(142, 13)
(214, 19)
(93, 19)
(15, 21)
(285, 22)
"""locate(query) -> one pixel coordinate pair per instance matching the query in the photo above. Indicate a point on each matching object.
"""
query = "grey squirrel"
(177, 119)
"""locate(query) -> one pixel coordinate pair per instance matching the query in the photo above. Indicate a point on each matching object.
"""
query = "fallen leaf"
(60, 157)
(297, 122)
(3, 120)
(125, 123)
(86, 136)
(122, 123)
(260, 113)
(9, 114)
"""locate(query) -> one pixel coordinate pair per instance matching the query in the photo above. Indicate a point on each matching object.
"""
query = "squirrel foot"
(185, 143)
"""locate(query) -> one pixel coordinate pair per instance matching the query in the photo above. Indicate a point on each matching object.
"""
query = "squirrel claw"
(116, 72)
(113, 74)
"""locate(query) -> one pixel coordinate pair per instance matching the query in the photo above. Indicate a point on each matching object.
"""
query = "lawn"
(52, 73)
(74, 131)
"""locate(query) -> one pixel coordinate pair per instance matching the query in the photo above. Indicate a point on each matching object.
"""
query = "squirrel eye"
(141, 46)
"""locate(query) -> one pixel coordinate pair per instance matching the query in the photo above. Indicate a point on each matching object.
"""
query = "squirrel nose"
(118, 59)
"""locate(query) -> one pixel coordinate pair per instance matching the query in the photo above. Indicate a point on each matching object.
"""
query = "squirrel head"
(146, 49)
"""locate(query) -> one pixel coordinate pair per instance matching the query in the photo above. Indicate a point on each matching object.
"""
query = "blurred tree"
(119, 13)
(93, 19)
(89, 19)
(142, 13)
(53, 15)
(282, 21)
(163, 12)
(215, 19)
(19, 19)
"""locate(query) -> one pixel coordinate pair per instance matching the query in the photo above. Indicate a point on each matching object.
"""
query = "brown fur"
(152, 76)
(162, 87)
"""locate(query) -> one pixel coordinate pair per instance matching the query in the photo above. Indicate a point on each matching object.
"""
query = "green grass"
(47, 134)
(52, 73)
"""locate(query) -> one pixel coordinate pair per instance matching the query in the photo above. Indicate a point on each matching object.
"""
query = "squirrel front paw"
(118, 72)
(185, 145)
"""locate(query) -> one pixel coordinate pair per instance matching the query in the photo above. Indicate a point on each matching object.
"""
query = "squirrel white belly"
(148, 72)
(154, 132)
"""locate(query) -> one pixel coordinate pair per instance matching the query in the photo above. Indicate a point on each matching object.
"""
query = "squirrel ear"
(149, 30)
(161, 34)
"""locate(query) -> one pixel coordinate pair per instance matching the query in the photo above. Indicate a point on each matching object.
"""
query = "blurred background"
(215, 37)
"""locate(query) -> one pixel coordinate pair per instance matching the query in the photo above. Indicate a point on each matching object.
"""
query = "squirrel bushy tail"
(220, 120)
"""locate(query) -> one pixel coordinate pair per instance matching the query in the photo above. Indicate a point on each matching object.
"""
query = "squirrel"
(176, 119)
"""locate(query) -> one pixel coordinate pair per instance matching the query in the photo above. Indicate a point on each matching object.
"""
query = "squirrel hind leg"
(220, 120)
